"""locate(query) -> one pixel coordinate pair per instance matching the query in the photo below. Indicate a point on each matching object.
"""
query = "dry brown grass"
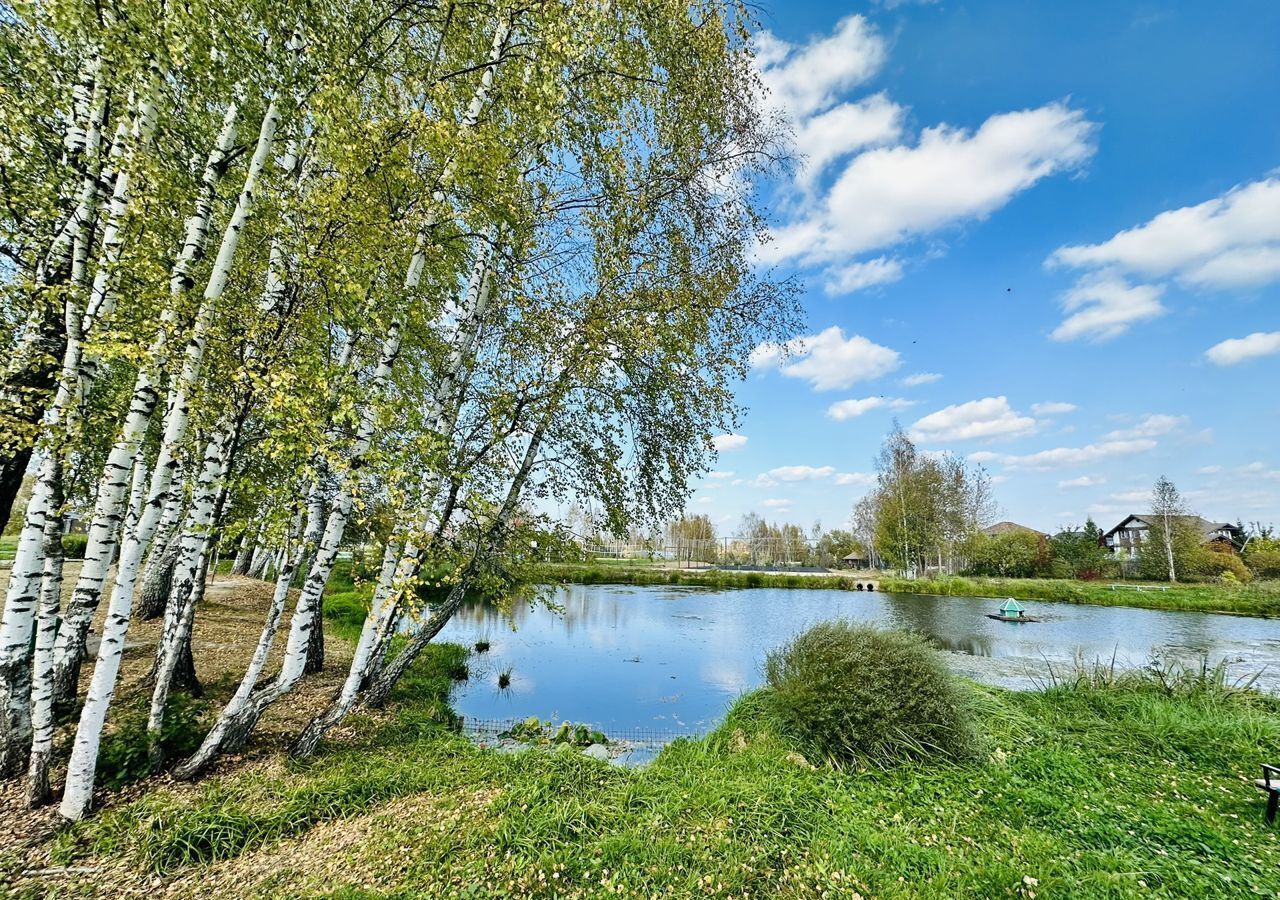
(226, 629)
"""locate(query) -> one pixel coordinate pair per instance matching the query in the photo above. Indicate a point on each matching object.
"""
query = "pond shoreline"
(1256, 601)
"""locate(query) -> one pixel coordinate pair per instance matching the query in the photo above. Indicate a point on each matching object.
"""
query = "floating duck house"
(1012, 609)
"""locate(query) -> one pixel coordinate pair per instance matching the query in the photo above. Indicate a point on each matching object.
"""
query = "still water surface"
(672, 659)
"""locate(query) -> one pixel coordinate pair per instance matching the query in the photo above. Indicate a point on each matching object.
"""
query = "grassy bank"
(1090, 791)
(1258, 599)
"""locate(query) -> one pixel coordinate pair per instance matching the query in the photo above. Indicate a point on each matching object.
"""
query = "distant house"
(855, 561)
(1010, 528)
(1128, 536)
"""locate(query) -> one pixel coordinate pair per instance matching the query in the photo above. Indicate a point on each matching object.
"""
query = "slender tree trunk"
(238, 717)
(109, 496)
(380, 619)
(42, 682)
(157, 582)
(78, 795)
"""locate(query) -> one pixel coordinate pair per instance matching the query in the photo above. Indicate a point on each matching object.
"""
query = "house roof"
(1010, 528)
(1202, 525)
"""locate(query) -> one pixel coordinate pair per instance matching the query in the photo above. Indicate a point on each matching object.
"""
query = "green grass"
(1257, 599)
(8, 547)
(1093, 790)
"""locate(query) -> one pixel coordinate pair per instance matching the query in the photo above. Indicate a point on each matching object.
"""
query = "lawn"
(1258, 599)
(1089, 791)
(8, 547)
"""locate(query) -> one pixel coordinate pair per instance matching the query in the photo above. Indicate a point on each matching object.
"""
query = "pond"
(669, 660)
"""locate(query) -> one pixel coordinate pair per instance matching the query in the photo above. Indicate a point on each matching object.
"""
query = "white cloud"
(1052, 409)
(720, 475)
(1209, 470)
(843, 129)
(763, 480)
(828, 360)
(778, 503)
(1104, 305)
(723, 442)
(803, 80)
(950, 175)
(1084, 481)
(844, 410)
(1063, 457)
(800, 473)
(704, 499)
(1229, 241)
(986, 418)
(1149, 427)
(858, 478)
(920, 378)
(1237, 350)
(859, 275)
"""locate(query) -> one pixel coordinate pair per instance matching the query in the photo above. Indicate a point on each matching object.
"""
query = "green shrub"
(1264, 562)
(854, 692)
(1223, 565)
(74, 545)
(125, 756)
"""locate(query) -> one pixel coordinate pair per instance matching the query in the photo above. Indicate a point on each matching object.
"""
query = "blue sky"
(1045, 236)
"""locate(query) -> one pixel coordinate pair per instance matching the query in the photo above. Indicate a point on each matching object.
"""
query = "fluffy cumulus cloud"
(855, 276)
(1237, 350)
(1105, 305)
(920, 378)
(800, 473)
(778, 504)
(1052, 409)
(991, 417)
(866, 184)
(828, 360)
(723, 442)
(1065, 457)
(720, 475)
(844, 410)
(1230, 241)
(803, 80)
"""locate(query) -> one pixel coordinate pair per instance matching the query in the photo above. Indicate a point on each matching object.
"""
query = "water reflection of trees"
(936, 619)
(575, 607)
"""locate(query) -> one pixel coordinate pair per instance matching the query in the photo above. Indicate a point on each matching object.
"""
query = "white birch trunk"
(78, 795)
(28, 569)
(232, 720)
(42, 679)
(109, 495)
(193, 551)
(380, 619)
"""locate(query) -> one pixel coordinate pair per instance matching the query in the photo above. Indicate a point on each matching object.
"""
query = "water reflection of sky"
(673, 658)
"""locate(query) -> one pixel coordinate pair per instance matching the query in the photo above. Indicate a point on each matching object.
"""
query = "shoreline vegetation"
(1259, 599)
(1105, 784)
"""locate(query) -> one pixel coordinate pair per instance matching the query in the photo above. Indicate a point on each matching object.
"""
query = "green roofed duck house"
(1012, 609)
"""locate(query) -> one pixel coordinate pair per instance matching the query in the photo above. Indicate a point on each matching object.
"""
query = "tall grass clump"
(854, 693)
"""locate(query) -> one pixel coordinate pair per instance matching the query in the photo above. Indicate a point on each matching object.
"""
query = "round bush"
(853, 692)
